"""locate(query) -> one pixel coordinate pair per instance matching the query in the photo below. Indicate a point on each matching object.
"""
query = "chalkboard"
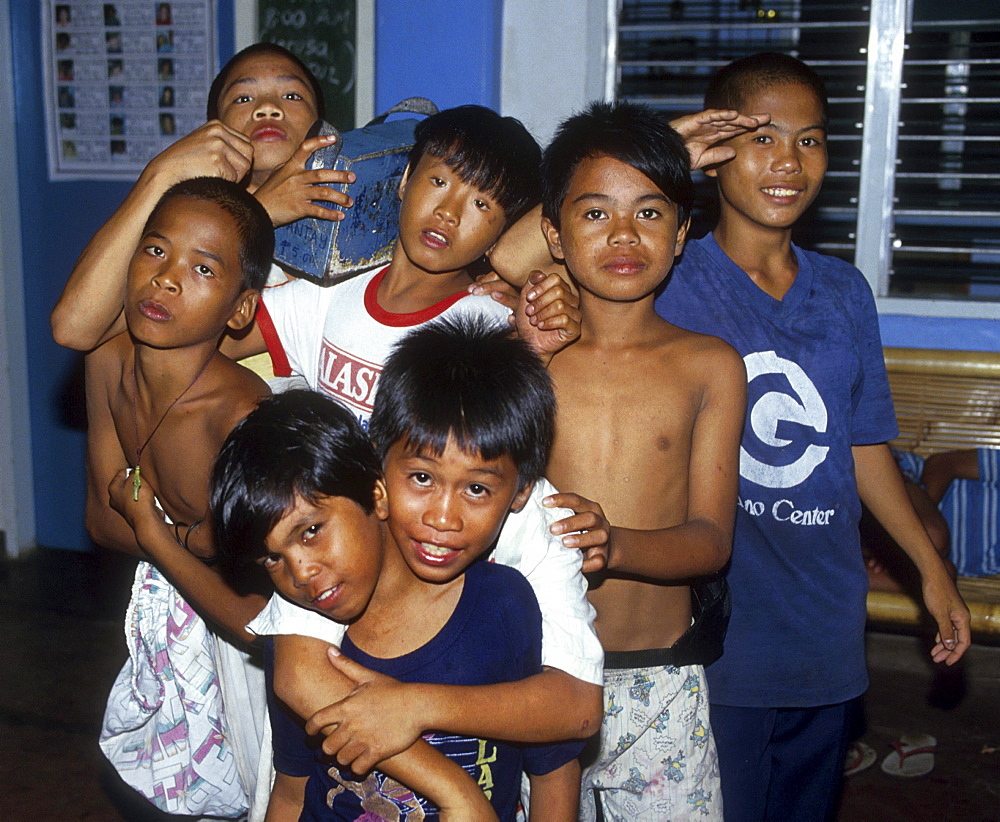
(322, 34)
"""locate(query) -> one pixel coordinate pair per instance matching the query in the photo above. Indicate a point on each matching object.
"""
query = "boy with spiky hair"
(160, 400)
(814, 441)
(463, 427)
(648, 423)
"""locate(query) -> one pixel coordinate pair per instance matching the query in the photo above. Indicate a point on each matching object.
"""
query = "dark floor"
(62, 644)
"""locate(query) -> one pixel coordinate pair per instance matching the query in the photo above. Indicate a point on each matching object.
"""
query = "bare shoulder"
(711, 358)
(232, 392)
(104, 364)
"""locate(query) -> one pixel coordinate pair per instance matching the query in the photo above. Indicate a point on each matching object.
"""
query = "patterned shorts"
(657, 759)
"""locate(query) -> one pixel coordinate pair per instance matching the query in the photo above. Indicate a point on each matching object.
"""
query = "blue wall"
(57, 220)
(448, 51)
(949, 333)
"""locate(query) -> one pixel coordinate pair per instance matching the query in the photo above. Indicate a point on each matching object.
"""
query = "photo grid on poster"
(123, 81)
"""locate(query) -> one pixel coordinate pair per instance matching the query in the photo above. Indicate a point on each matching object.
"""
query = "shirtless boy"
(161, 400)
(649, 423)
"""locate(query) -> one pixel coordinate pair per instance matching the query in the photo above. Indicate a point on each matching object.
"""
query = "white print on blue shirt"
(803, 406)
(806, 408)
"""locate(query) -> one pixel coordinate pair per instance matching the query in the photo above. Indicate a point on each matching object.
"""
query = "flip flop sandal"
(859, 757)
(913, 755)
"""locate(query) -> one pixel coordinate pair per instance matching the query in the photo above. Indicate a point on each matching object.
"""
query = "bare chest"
(623, 437)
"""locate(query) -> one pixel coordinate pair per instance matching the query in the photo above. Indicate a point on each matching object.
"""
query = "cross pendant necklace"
(136, 478)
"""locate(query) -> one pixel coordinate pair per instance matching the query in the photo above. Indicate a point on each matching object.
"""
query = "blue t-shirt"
(493, 635)
(816, 386)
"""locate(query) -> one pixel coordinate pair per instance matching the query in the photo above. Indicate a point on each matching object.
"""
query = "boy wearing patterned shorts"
(649, 423)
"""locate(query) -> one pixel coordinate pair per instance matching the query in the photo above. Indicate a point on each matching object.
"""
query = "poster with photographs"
(123, 81)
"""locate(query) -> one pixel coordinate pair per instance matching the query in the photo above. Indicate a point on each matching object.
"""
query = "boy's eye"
(810, 141)
(291, 95)
(482, 205)
(648, 214)
(311, 531)
(593, 214)
(761, 138)
(243, 98)
(437, 181)
(421, 477)
(153, 250)
(478, 490)
(269, 561)
(204, 270)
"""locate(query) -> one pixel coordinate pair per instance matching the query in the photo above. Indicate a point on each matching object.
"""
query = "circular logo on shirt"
(802, 406)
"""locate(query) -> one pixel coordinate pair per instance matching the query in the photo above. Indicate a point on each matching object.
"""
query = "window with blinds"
(912, 195)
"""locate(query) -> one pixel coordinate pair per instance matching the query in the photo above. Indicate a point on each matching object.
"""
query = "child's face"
(185, 275)
(268, 99)
(444, 512)
(327, 555)
(778, 168)
(445, 224)
(618, 234)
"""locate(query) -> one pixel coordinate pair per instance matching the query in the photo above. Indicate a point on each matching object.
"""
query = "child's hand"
(548, 314)
(493, 286)
(951, 614)
(289, 192)
(703, 130)
(375, 721)
(594, 537)
(138, 513)
(211, 150)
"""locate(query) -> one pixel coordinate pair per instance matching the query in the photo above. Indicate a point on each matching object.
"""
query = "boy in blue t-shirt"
(819, 414)
(464, 422)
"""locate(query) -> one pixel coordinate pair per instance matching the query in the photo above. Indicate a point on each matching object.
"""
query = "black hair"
(495, 154)
(631, 133)
(296, 444)
(253, 224)
(469, 379)
(219, 83)
(735, 83)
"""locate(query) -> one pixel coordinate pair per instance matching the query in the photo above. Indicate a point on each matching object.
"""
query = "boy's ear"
(403, 181)
(381, 500)
(246, 308)
(682, 233)
(521, 497)
(552, 238)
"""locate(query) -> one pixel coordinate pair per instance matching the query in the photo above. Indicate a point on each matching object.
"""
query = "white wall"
(554, 59)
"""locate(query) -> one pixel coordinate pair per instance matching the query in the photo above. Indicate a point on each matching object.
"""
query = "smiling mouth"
(327, 598)
(777, 191)
(436, 554)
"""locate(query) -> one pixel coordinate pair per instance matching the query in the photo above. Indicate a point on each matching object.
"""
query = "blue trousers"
(782, 764)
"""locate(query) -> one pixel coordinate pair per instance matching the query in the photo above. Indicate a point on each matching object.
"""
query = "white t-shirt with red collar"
(337, 338)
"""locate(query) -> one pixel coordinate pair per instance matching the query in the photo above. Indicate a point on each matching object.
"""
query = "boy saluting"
(814, 442)
(649, 423)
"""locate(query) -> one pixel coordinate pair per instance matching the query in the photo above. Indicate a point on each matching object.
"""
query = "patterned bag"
(164, 725)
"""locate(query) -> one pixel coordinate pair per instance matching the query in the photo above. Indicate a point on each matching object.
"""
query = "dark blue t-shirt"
(493, 635)
(816, 386)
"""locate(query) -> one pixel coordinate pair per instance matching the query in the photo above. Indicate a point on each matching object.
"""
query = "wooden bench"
(944, 400)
